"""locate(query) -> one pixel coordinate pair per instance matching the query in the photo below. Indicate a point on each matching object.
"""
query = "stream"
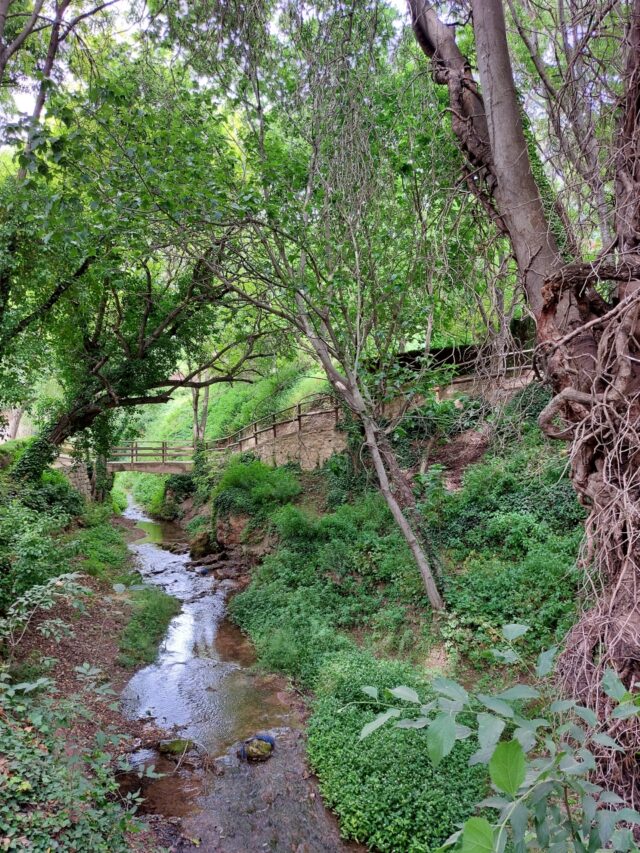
(202, 688)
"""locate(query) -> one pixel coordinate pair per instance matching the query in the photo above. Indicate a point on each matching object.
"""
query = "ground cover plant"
(54, 798)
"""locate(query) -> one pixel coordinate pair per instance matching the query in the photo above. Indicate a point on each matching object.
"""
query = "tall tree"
(587, 346)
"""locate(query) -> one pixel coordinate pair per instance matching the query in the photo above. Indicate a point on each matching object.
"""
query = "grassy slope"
(340, 594)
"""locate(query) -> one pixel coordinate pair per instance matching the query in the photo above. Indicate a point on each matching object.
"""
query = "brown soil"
(456, 455)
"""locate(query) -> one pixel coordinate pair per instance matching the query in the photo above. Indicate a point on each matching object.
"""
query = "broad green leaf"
(482, 756)
(610, 798)
(441, 738)
(513, 631)
(612, 685)
(508, 767)
(606, 824)
(380, 720)
(370, 691)
(526, 738)
(605, 740)
(450, 688)
(489, 729)
(477, 836)
(622, 840)
(544, 664)
(519, 818)
(586, 714)
(561, 705)
(406, 693)
(626, 710)
(628, 815)
(419, 723)
(462, 732)
(505, 655)
(496, 705)
(519, 691)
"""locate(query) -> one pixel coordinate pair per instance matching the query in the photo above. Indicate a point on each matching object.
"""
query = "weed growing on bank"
(152, 611)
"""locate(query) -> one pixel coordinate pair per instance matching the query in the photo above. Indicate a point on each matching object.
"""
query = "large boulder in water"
(201, 545)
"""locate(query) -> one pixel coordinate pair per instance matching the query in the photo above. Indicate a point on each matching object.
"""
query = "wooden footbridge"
(305, 433)
(316, 414)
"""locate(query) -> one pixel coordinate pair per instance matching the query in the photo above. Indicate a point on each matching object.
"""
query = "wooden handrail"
(321, 404)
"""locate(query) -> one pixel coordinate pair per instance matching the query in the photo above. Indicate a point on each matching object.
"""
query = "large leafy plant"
(540, 766)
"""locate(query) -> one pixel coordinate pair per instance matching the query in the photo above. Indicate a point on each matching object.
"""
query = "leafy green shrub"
(538, 590)
(147, 490)
(118, 499)
(28, 553)
(101, 548)
(343, 479)
(48, 801)
(180, 485)
(542, 773)
(53, 491)
(385, 790)
(251, 487)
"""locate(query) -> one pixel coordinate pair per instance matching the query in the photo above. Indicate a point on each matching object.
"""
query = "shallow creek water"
(200, 683)
(202, 687)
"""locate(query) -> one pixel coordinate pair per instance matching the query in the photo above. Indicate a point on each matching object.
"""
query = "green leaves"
(406, 693)
(514, 631)
(613, 686)
(379, 721)
(441, 738)
(489, 730)
(477, 836)
(508, 767)
(544, 664)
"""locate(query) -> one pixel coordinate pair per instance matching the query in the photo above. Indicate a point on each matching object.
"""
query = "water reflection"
(200, 681)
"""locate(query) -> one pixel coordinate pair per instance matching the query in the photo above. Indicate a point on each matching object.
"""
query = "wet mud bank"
(203, 690)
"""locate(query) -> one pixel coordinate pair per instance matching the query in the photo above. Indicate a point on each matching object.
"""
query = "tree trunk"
(399, 515)
(14, 422)
(589, 350)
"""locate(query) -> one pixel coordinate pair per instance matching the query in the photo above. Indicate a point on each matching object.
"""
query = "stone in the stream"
(176, 747)
(200, 545)
(203, 571)
(257, 748)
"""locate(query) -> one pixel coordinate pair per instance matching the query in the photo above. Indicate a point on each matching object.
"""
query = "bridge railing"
(283, 422)
(275, 425)
(151, 451)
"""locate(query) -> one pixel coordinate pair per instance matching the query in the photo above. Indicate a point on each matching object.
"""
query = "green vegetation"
(53, 799)
(546, 794)
(510, 537)
(251, 487)
(341, 589)
(226, 207)
(49, 799)
(386, 790)
(153, 609)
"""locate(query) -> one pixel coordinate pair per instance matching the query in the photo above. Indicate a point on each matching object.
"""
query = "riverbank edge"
(96, 630)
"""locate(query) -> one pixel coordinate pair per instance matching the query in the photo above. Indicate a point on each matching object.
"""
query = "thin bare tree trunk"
(400, 518)
(14, 422)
